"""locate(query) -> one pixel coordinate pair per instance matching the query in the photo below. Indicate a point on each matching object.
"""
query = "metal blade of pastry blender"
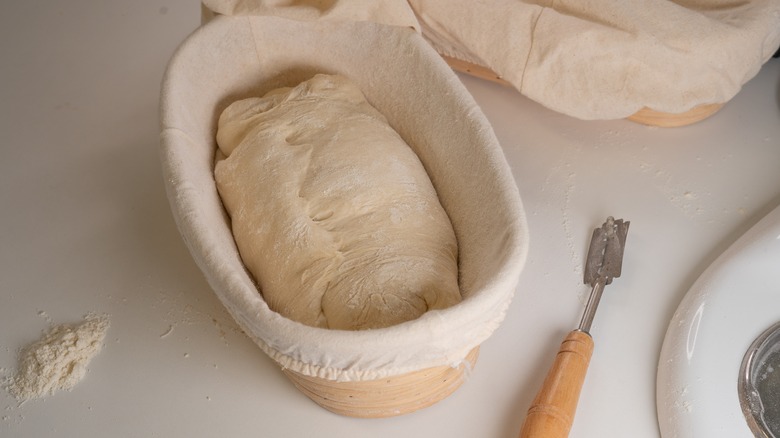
(552, 411)
(604, 262)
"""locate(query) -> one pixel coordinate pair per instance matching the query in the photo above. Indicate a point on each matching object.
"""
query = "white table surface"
(85, 227)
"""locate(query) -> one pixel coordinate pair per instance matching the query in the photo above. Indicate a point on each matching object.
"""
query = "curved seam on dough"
(322, 306)
(410, 303)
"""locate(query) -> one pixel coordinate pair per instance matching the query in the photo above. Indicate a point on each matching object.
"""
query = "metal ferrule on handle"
(593, 303)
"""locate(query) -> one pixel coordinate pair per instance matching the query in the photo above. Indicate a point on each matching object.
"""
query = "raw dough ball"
(331, 210)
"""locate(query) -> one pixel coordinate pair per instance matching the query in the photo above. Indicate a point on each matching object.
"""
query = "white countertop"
(85, 227)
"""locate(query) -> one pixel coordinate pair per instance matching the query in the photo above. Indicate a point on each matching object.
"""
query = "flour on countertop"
(179, 312)
(57, 361)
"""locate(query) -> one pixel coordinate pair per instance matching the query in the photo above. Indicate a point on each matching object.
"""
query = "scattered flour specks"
(573, 247)
(179, 312)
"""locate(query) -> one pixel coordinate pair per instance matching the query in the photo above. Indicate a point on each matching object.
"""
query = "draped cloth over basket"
(607, 59)
(590, 59)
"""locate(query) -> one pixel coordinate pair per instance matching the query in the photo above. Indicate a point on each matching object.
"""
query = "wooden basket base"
(649, 117)
(387, 397)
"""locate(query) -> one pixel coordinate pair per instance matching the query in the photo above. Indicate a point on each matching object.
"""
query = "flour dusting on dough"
(332, 212)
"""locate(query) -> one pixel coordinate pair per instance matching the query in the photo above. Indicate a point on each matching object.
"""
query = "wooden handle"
(552, 412)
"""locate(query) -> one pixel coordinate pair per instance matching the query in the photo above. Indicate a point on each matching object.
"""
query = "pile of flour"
(59, 359)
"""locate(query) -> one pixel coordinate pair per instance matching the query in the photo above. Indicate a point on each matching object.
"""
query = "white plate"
(731, 304)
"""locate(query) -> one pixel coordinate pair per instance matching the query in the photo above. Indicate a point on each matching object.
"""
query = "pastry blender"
(552, 412)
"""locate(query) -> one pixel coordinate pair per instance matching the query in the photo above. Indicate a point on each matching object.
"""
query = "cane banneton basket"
(371, 373)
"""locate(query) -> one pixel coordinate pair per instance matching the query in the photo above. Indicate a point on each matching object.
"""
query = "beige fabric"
(591, 59)
(606, 59)
(392, 12)
(231, 58)
(332, 211)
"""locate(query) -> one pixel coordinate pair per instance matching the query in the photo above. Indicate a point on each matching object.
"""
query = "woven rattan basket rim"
(386, 397)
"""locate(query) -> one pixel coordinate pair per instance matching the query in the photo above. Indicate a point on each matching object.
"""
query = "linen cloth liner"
(230, 58)
(590, 59)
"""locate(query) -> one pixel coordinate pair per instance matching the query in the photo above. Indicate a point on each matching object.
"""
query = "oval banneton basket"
(372, 373)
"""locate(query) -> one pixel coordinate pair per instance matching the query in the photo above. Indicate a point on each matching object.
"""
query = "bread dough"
(332, 212)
